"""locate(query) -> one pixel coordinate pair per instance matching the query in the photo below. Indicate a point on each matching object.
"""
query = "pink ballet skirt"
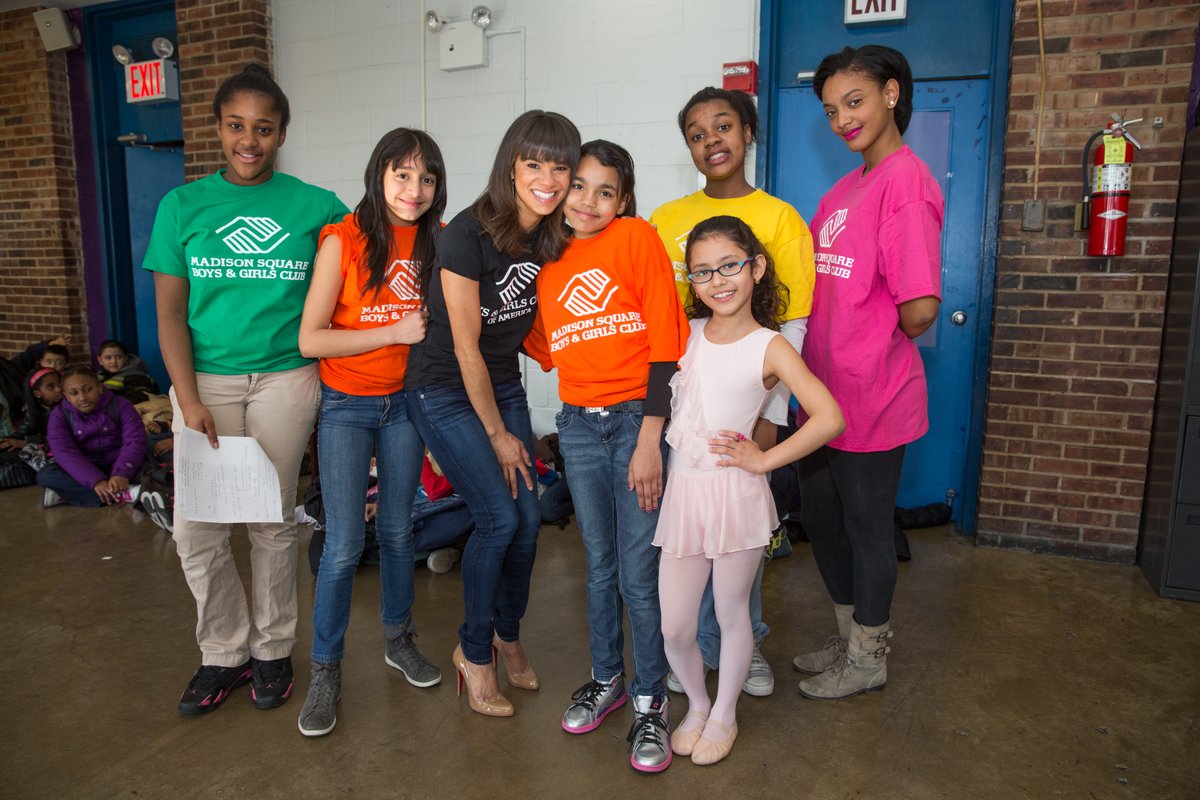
(710, 510)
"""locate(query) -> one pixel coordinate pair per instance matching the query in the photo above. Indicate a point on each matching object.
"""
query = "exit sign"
(859, 12)
(151, 81)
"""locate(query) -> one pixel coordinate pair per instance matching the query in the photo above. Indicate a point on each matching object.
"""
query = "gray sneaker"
(675, 686)
(591, 703)
(649, 741)
(403, 655)
(442, 561)
(319, 714)
(760, 681)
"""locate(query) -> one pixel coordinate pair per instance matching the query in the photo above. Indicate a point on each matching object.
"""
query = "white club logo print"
(833, 228)
(402, 279)
(252, 235)
(587, 293)
(515, 279)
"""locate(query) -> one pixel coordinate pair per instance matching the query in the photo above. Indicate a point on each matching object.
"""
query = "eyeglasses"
(728, 270)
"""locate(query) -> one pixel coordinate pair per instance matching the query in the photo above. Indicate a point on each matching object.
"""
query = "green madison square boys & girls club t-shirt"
(247, 253)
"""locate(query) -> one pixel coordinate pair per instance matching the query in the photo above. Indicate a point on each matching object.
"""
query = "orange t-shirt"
(380, 371)
(606, 310)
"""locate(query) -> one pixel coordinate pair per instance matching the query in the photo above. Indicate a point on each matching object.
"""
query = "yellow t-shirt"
(776, 224)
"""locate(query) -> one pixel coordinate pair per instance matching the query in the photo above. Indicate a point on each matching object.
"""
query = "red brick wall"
(216, 39)
(41, 271)
(1076, 339)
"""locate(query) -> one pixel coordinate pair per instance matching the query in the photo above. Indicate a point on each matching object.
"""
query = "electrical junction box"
(461, 45)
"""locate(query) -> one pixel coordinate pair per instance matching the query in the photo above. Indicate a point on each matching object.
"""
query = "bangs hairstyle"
(111, 344)
(880, 64)
(397, 147)
(769, 301)
(741, 103)
(616, 157)
(537, 136)
(256, 79)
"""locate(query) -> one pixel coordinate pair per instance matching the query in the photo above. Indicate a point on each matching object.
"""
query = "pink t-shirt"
(877, 239)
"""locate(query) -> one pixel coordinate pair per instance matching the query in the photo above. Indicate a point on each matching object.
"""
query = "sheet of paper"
(236, 482)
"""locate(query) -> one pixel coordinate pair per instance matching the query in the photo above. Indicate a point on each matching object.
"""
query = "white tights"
(681, 583)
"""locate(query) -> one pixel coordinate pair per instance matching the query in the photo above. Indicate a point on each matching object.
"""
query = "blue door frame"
(130, 181)
(796, 35)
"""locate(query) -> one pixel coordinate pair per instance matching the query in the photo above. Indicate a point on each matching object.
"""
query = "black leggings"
(848, 505)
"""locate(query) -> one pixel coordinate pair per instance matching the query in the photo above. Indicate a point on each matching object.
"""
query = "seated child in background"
(43, 391)
(124, 373)
(14, 370)
(98, 442)
(55, 357)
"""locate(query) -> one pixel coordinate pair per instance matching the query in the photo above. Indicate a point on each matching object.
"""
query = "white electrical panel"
(461, 45)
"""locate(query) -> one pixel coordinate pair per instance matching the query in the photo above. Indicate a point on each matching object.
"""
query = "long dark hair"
(394, 149)
(540, 136)
(36, 415)
(257, 79)
(769, 301)
(616, 157)
(880, 64)
(741, 103)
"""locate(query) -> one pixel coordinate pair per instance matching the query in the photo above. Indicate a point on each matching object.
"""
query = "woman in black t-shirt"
(464, 392)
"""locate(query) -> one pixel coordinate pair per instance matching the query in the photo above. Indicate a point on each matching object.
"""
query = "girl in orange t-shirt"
(364, 309)
(610, 320)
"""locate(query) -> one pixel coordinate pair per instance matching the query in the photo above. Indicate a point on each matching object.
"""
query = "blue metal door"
(949, 132)
(133, 174)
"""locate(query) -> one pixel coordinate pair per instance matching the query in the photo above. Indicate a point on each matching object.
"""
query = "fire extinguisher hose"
(1086, 217)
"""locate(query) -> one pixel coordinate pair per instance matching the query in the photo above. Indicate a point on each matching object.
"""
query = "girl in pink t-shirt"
(878, 287)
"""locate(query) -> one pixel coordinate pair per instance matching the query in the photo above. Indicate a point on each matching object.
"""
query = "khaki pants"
(278, 409)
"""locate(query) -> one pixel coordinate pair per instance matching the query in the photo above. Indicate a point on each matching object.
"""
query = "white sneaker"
(760, 681)
(51, 498)
(674, 685)
(442, 561)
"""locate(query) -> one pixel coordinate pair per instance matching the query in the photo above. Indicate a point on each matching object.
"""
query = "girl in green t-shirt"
(231, 255)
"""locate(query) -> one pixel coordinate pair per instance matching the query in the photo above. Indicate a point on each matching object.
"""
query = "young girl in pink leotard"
(717, 511)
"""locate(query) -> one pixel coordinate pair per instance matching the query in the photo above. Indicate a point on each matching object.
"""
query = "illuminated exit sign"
(859, 12)
(151, 81)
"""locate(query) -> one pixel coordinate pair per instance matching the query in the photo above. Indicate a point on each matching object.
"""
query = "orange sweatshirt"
(380, 371)
(606, 311)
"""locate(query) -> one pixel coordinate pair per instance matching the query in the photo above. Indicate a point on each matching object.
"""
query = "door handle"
(959, 318)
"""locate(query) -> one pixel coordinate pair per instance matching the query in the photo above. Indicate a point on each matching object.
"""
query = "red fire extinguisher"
(1106, 184)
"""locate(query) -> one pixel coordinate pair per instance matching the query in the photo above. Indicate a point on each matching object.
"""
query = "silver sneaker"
(403, 655)
(760, 681)
(319, 714)
(592, 702)
(649, 741)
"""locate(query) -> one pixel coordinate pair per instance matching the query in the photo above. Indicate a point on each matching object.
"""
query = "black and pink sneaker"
(210, 686)
(272, 683)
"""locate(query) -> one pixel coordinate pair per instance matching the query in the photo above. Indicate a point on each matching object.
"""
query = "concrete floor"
(1012, 676)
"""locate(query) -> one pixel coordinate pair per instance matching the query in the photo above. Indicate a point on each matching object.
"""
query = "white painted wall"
(620, 69)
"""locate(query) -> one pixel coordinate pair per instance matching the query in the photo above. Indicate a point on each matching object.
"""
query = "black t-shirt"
(507, 300)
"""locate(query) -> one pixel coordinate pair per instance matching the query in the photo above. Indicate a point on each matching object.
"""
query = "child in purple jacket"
(98, 443)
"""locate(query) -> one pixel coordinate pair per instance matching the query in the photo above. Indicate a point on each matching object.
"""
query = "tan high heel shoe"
(474, 675)
(526, 679)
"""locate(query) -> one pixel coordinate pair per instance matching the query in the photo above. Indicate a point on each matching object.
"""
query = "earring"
(891, 103)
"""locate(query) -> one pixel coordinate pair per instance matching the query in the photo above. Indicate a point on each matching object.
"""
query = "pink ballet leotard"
(708, 509)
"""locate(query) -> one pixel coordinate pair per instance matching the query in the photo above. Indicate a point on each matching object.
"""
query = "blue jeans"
(350, 429)
(52, 476)
(622, 564)
(709, 633)
(497, 563)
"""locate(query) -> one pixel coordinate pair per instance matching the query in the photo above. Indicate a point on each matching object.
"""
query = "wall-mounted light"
(121, 54)
(162, 47)
(481, 17)
(433, 22)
